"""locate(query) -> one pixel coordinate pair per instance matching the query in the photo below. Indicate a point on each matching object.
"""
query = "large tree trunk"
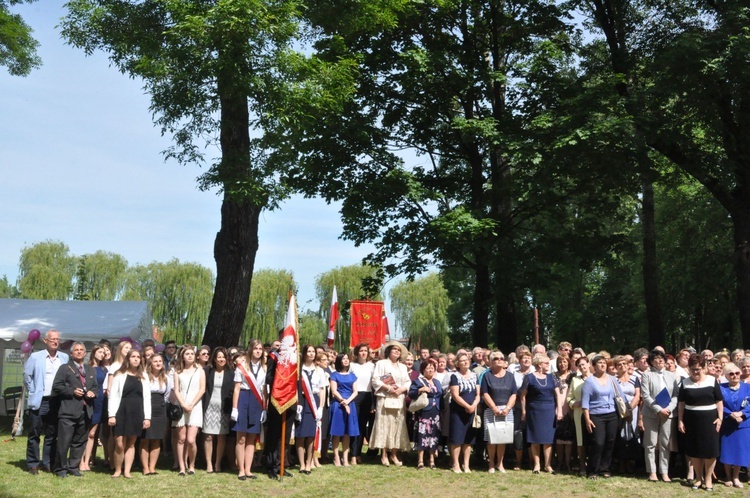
(650, 267)
(507, 323)
(482, 297)
(741, 225)
(237, 242)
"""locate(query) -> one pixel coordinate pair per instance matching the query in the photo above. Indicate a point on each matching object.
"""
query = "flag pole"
(283, 443)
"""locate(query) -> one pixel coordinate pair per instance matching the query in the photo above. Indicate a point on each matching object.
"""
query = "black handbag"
(174, 412)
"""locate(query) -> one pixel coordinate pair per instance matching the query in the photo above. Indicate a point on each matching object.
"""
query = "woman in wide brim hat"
(390, 382)
(384, 350)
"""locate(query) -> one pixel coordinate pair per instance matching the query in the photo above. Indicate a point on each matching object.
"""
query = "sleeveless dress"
(129, 418)
(248, 407)
(99, 401)
(342, 423)
(158, 411)
(216, 421)
(189, 390)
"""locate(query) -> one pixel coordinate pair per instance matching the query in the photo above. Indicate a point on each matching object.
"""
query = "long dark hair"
(126, 362)
(339, 362)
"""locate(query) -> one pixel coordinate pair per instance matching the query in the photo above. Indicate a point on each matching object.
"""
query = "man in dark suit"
(76, 387)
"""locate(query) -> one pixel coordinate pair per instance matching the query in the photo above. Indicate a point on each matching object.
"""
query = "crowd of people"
(550, 411)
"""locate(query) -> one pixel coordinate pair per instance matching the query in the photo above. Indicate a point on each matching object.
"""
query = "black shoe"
(75, 473)
(273, 475)
(34, 471)
(46, 468)
(288, 474)
(62, 474)
(242, 478)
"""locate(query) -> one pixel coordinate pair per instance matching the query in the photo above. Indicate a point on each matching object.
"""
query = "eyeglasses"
(733, 373)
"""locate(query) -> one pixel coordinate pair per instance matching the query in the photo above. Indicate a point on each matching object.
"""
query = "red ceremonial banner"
(284, 389)
(367, 323)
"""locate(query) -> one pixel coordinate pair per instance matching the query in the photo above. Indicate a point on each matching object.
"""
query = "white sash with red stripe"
(256, 389)
(309, 396)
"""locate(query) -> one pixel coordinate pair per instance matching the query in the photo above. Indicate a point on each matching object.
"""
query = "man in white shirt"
(38, 375)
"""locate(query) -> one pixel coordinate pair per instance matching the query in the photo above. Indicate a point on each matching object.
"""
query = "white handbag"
(500, 431)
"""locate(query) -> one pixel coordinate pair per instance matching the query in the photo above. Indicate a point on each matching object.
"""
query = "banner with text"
(367, 323)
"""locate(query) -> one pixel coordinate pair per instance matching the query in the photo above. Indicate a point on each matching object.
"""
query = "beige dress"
(389, 429)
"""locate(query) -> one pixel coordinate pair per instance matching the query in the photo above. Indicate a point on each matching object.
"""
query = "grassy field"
(369, 479)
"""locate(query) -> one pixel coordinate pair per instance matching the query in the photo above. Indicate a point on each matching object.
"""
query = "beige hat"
(385, 346)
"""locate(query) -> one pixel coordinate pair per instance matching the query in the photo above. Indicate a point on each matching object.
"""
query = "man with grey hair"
(76, 387)
(38, 376)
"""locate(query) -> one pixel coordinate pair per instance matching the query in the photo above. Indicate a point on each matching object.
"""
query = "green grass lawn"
(369, 479)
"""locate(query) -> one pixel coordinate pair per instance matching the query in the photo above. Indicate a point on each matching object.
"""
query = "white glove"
(263, 416)
(300, 408)
(235, 414)
(319, 415)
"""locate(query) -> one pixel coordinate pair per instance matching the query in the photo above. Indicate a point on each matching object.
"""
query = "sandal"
(696, 485)
(420, 466)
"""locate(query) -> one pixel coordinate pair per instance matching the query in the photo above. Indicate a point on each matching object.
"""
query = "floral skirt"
(427, 430)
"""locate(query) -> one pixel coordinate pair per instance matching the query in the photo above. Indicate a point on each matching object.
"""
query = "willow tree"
(351, 284)
(100, 276)
(179, 296)
(268, 305)
(223, 73)
(421, 311)
(46, 271)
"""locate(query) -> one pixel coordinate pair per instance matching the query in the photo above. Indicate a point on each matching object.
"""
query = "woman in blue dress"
(464, 401)
(344, 423)
(97, 361)
(248, 406)
(541, 408)
(735, 429)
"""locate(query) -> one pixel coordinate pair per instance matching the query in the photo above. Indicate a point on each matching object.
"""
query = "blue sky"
(80, 162)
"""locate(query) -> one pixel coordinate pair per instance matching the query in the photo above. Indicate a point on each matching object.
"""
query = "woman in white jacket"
(129, 410)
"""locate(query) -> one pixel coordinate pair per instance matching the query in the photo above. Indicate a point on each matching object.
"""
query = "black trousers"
(272, 444)
(42, 422)
(602, 443)
(365, 418)
(71, 437)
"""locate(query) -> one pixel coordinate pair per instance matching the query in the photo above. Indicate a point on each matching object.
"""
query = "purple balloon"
(34, 335)
(137, 346)
(26, 347)
(126, 339)
(159, 348)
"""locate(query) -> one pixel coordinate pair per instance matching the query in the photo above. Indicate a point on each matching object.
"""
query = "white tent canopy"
(85, 321)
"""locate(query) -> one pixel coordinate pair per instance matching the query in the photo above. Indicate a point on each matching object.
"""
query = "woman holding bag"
(427, 419)
(498, 389)
(390, 381)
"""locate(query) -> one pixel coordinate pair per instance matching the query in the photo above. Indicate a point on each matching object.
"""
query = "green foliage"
(7, 290)
(349, 287)
(100, 276)
(46, 271)
(17, 46)
(179, 296)
(312, 328)
(420, 308)
(268, 305)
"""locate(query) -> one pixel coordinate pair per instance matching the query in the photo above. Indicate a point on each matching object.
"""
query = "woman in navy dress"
(464, 401)
(309, 410)
(541, 408)
(735, 430)
(97, 361)
(344, 423)
(427, 420)
(700, 410)
(248, 406)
